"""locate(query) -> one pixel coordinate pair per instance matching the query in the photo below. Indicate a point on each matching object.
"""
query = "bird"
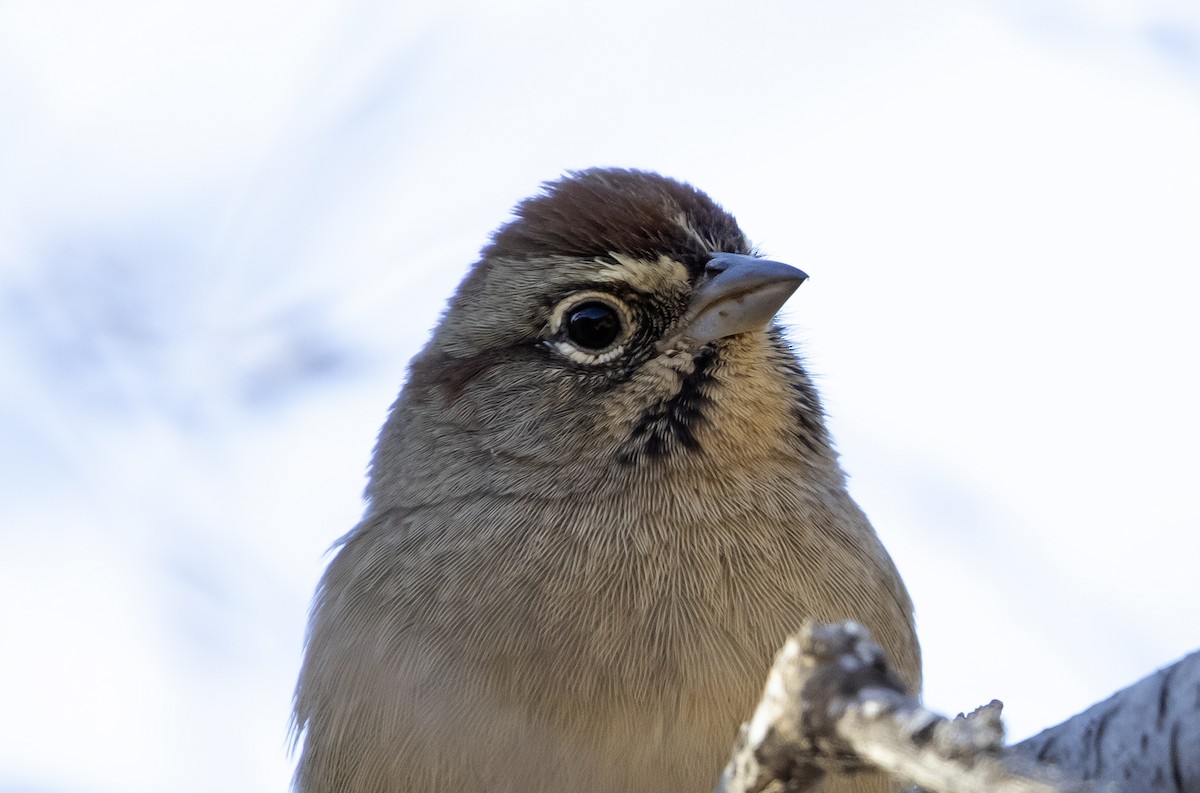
(603, 499)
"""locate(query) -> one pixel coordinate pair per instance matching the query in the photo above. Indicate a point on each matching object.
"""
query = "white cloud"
(223, 230)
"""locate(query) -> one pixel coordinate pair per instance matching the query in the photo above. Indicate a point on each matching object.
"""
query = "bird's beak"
(739, 294)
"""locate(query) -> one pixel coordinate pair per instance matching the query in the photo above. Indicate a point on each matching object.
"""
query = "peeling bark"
(831, 704)
(1146, 737)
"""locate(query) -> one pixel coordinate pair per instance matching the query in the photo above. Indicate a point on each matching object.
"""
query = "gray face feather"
(587, 532)
(502, 369)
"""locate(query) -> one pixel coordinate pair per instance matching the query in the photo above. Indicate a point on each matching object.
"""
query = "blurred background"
(226, 226)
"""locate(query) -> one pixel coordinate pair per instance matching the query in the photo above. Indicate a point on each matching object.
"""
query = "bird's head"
(620, 325)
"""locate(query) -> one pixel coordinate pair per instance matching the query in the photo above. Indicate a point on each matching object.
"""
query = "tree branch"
(1147, 736)
(831, 704)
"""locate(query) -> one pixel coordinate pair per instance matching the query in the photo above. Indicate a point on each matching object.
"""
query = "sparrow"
(604, 497)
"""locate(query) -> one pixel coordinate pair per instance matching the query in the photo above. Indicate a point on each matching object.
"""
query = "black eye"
(593, 325)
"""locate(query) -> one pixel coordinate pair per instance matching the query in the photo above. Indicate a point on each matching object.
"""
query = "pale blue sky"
(225, 227)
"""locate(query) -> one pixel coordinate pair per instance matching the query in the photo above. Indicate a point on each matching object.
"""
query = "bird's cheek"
(655, 382)
(666, 372)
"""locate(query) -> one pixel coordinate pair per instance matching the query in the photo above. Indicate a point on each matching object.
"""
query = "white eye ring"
(562, 343)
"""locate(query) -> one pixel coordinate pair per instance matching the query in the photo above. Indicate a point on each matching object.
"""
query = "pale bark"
(1145, 737)
(832, 705)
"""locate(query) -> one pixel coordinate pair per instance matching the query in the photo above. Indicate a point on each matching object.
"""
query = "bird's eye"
(593, 325)
(590, 328)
